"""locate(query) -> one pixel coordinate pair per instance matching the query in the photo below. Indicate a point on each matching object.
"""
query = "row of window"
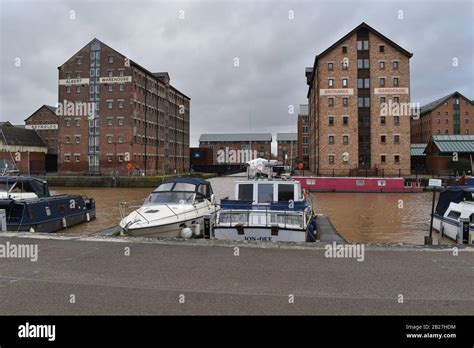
(364, 82)
(364, 63)
(95, 72)
(383, 159)
(361, 101)
(96, 89)
(95, 56)
(77, 158)
(345, 139)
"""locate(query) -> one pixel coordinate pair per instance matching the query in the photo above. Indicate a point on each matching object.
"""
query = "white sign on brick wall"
(392, 90)
(337, 91)
(72, 82)
(116, 79)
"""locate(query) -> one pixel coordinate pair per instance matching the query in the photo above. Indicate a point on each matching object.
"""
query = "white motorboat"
(22, 187)
(176, 208)
(454, 214)
(265, 209)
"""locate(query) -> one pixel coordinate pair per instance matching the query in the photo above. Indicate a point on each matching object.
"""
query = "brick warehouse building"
(450, 115)
(260, 143)
(115, 115)
(350, 84)
(287, 148)
(23, 149)
(45, 122)
(303, 135)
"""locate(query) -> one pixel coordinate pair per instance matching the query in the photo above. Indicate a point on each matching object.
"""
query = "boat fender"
(186, 232)
(64, 222)
(305, 193)
(311, 233)
(32, 230)
(197, 229)
(88, 217)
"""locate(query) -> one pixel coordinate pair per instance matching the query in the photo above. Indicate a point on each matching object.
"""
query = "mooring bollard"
(3, 220)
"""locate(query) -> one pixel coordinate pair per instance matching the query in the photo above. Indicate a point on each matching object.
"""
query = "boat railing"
(262, 217)
(125, 208)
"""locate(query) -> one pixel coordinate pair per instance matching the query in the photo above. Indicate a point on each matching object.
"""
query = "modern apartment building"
(287, 148)
(115, 115)
(237, 147)
(450, 115)
(359, 106)
(303, 135)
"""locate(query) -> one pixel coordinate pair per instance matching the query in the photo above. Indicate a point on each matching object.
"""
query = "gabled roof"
(6, 124)
(49, 107)
(287, 137)
(20, 136)
(236, 137)
(451, 143)
(345, 37)
(434, 104)
(131, 63)
(418, 149)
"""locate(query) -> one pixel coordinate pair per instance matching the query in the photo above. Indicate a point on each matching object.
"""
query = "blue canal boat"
(45, 213)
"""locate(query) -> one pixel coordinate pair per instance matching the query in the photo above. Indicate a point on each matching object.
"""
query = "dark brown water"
(359, 217)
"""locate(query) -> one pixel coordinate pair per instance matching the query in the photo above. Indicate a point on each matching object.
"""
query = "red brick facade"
(45, 122)
(442, 118)
(347, 85)
(138, 119)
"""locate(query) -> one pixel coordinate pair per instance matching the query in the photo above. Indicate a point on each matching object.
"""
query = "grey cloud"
(198, 51)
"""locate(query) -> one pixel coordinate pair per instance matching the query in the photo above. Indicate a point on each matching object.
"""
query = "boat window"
(47, 210)
(454, 214)
(169, 197)
(286, 192)
(31, 213)
(265, 193)
(202, 190)
(246, 192)
(360, 182)
(310, 181)
(61, 208)
(381, 182)
(182, 186)
(165, 187)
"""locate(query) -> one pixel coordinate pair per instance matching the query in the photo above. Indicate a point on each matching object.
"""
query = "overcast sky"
(199, 51)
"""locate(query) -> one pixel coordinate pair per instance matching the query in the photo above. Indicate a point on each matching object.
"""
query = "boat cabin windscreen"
(266, 192)
(178, 192)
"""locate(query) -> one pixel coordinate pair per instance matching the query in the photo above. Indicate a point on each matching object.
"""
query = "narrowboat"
(39, 211)
(358, 184)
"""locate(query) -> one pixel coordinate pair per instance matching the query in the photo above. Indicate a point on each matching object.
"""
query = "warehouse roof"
(434, 104)
(20, 136)
(287, 137)
(452, 143)
(418, 149)
(236, 137)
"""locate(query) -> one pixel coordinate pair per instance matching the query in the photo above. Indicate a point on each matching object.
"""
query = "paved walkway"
(153, 278)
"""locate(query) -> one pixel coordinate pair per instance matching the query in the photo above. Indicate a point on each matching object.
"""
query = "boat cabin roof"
(268, 191)
(25, 184)
(454, 194)
(186, 184)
